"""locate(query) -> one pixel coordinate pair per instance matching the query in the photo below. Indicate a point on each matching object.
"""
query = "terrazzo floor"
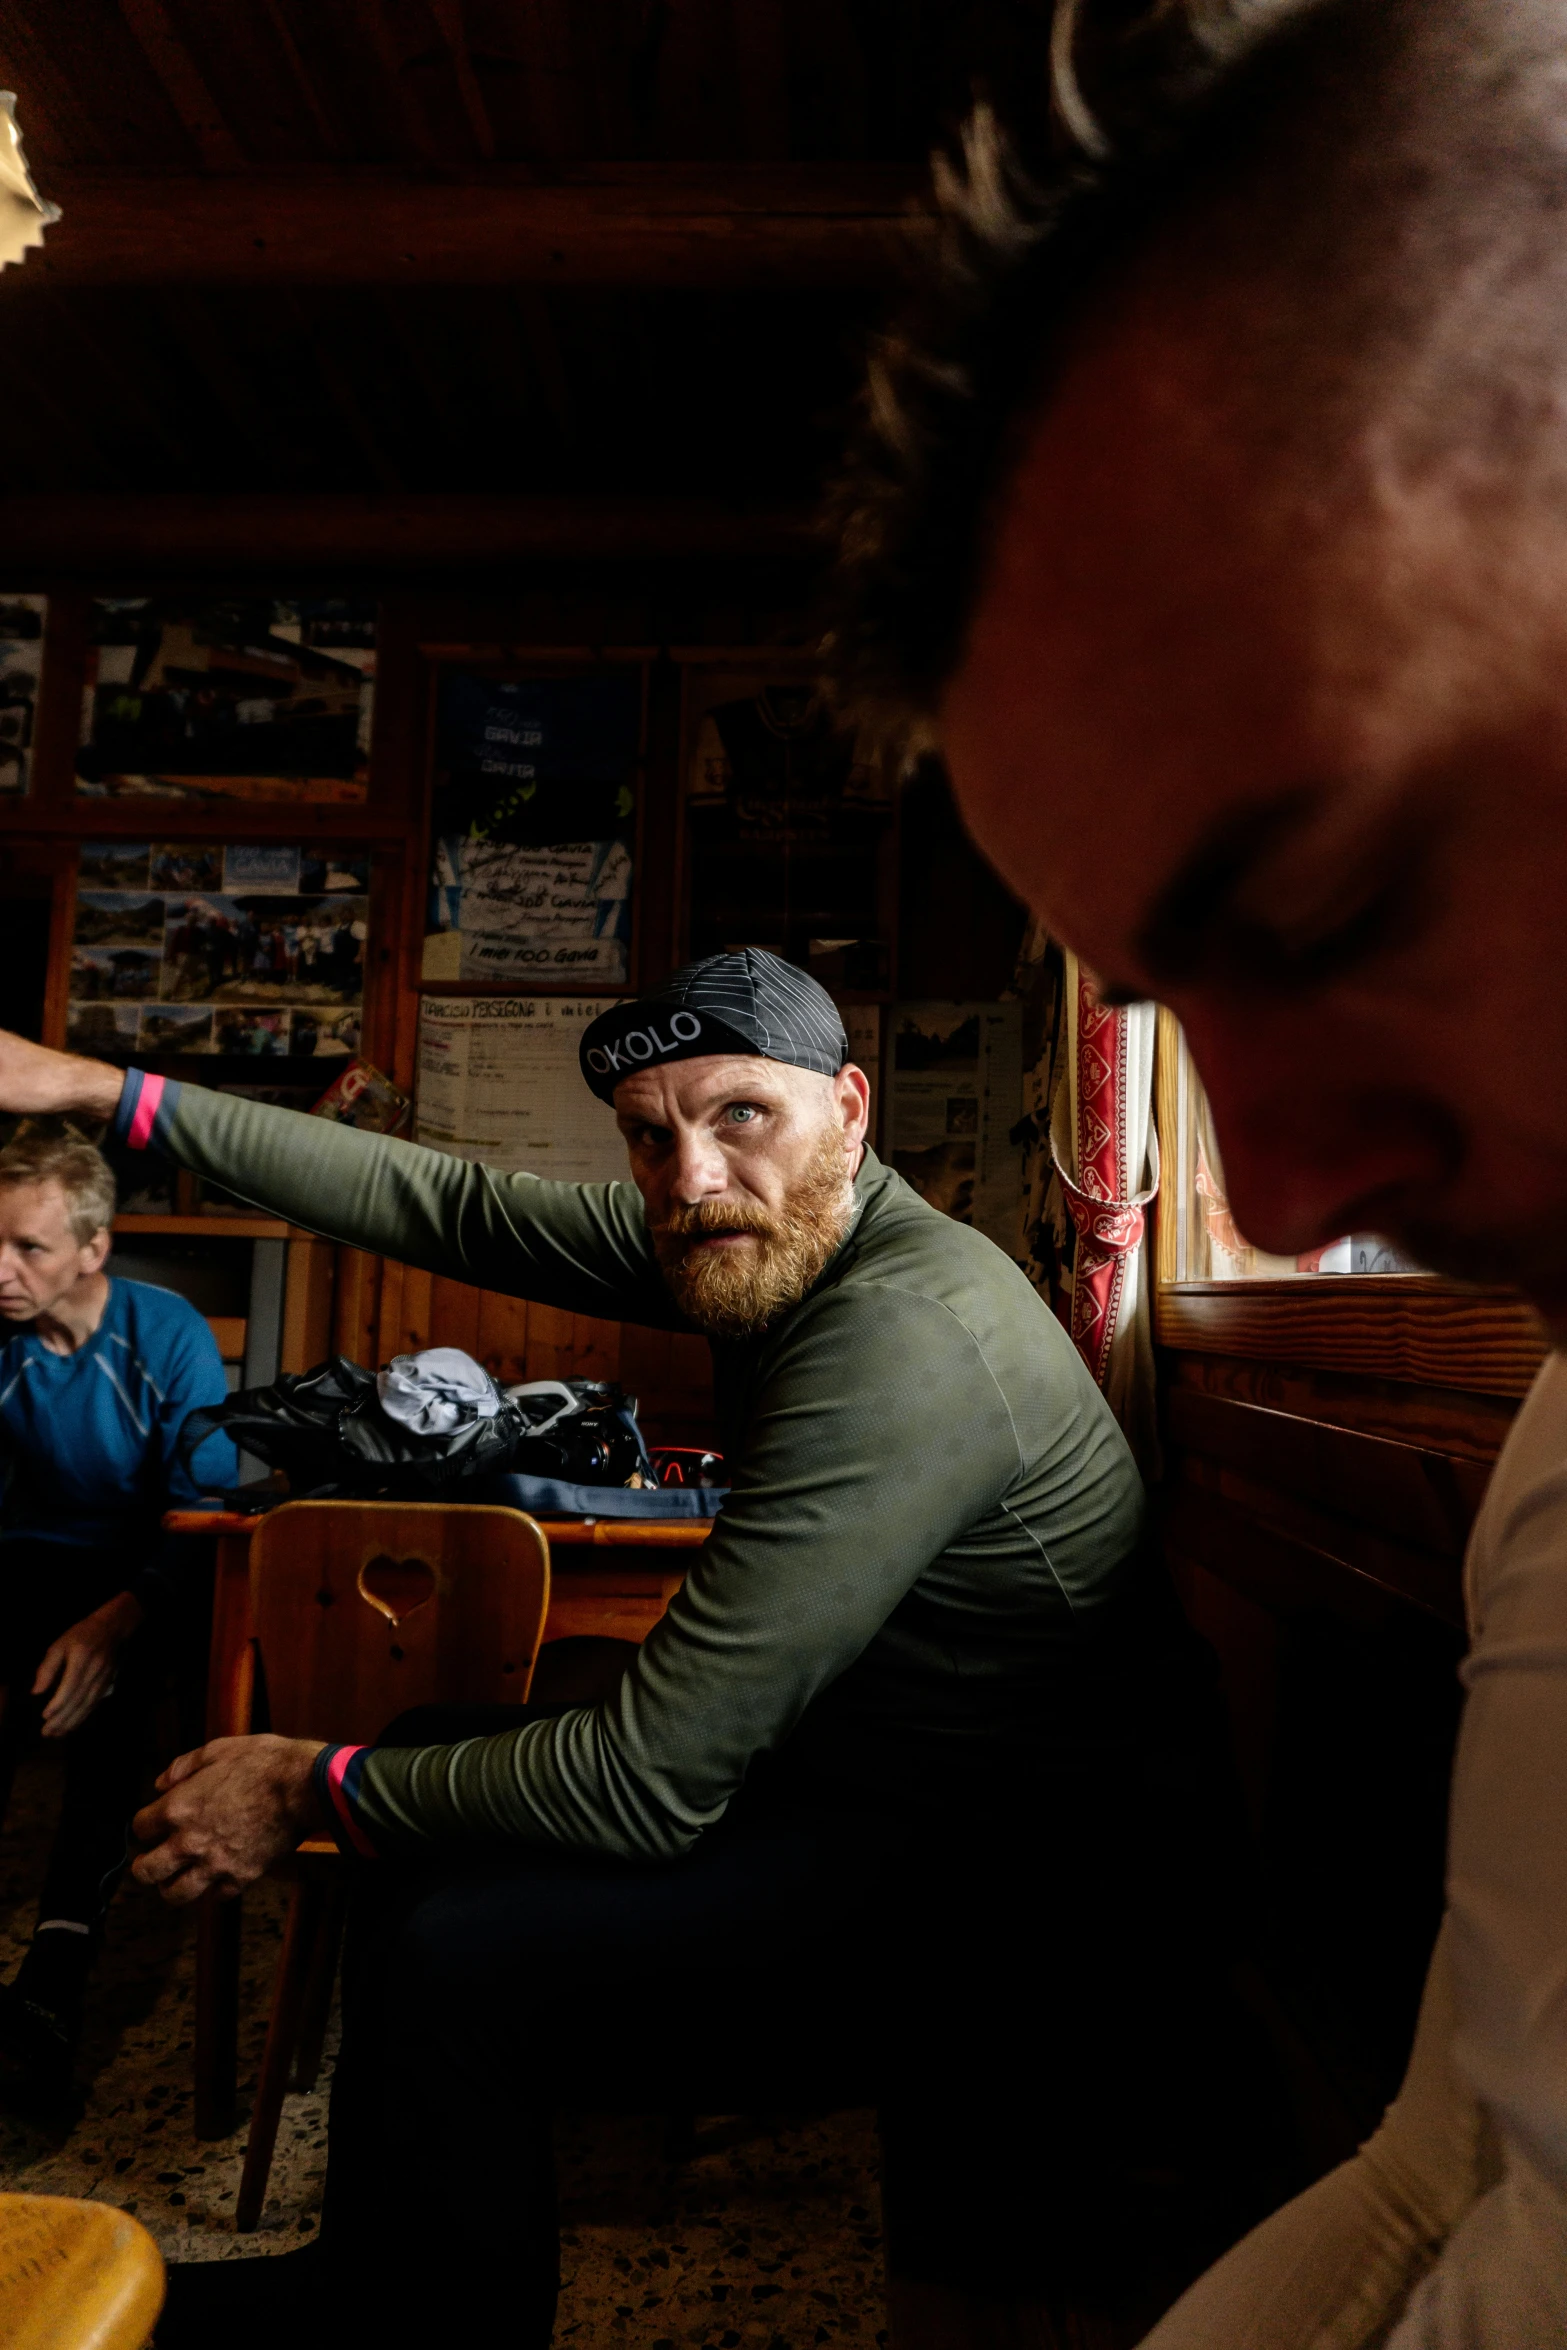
(763, 2236)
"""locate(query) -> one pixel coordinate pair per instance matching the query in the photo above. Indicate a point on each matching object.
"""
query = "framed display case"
(789, 825)
(535, 819)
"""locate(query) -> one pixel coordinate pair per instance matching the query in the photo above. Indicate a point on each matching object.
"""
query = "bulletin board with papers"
(955, 1102)
(500, 1082)
(534, 816)
(204, 947)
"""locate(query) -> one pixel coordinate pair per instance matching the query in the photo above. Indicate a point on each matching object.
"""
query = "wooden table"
(609, 1577)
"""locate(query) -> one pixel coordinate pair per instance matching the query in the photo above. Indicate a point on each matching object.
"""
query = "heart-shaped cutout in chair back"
(396, 1588)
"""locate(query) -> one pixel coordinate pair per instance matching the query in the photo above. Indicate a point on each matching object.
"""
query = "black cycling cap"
(746, 1002)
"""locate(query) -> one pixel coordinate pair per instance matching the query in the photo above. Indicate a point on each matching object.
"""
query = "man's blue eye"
(742, 1112)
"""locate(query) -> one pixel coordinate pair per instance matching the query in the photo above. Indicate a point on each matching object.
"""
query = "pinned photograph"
(21, 662)
(103, 1031)
(247, 1028)
(118, 918)
(176, 1028)
(113, 864)
(326, 1034)
(333, 870)
(186, 864)
(265, 949)
(259, 867)
(101, 973)
(239, 698)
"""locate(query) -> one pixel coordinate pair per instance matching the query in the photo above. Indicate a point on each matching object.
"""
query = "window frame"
(1415, 1328)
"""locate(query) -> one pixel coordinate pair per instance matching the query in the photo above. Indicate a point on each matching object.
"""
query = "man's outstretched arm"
(38, 1083)
(583, 1247)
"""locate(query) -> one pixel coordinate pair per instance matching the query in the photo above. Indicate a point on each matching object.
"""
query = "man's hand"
(79, 1667)
(41, 1083)
(226, 1813)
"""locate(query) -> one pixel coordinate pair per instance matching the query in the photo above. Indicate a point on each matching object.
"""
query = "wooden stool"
(75, 2276)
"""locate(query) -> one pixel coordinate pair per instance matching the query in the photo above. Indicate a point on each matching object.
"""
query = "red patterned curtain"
(1100, 1173)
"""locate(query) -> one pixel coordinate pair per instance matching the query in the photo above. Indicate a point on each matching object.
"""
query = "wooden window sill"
(1402, 1326)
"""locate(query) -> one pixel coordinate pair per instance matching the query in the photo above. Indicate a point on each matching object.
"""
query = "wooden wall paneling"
(1429, 1332)
(1166, 1224)
(502, 1341)
(62, 921)
(656, 906)
(644, 1366)
(387, 1019)
(1471, 1428)
(1410, 1494)
(642, 966)
(691, 1387)
(356, 1305)
(1308, 1532)
(403, 1067)
(454, 1315)
(308, 1296)
(595, 1347)
(1267, 1564)
(57, 720)
(1245, 1639)
(407, 1329)
(388, 1338)
(550, 1343)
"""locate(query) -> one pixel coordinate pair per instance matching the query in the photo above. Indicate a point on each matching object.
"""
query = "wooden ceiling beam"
(187, 93)
(448, 19)
(51, 117)
(139, 534)
(633, 224)
(299, 74)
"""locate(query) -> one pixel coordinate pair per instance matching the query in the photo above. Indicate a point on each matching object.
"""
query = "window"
(1207, 1245)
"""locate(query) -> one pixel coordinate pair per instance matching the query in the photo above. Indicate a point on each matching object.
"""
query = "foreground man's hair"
(1370, 197)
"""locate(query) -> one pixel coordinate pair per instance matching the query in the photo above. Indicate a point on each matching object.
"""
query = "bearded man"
(1212, 519)
(899, 1788)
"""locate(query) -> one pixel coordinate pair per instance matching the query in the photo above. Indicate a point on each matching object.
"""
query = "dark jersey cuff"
(337, 1773)
(146, 1111)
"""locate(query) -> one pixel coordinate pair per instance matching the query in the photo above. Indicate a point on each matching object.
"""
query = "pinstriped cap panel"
(747, 1002)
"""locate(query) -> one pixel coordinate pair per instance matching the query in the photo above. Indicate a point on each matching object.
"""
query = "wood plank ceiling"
(618, 248)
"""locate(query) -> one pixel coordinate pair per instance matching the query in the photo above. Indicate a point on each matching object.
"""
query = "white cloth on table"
(436, 1391)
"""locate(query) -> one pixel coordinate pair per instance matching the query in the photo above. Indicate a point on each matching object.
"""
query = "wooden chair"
(75, 2276)
(362, 1609)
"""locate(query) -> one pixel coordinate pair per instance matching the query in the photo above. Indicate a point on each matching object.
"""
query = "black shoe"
(258, 2304)
(37, 2045)
(41, 2012)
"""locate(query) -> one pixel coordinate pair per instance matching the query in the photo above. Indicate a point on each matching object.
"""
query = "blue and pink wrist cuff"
(146, 1112)
(338, 1770)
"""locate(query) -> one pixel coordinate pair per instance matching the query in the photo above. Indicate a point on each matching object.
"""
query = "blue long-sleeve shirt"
(89, 1440)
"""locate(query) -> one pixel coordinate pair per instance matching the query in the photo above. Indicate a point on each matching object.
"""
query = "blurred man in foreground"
(1213, 521)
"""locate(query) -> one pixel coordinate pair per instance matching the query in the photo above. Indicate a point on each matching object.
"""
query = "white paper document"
(955, 1095)
(500, 1083)
(517, 913)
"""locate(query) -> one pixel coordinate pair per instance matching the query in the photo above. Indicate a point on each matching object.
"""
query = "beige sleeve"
(1333, 2269)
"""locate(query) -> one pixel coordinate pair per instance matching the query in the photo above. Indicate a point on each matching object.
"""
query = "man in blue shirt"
(96, 1378)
